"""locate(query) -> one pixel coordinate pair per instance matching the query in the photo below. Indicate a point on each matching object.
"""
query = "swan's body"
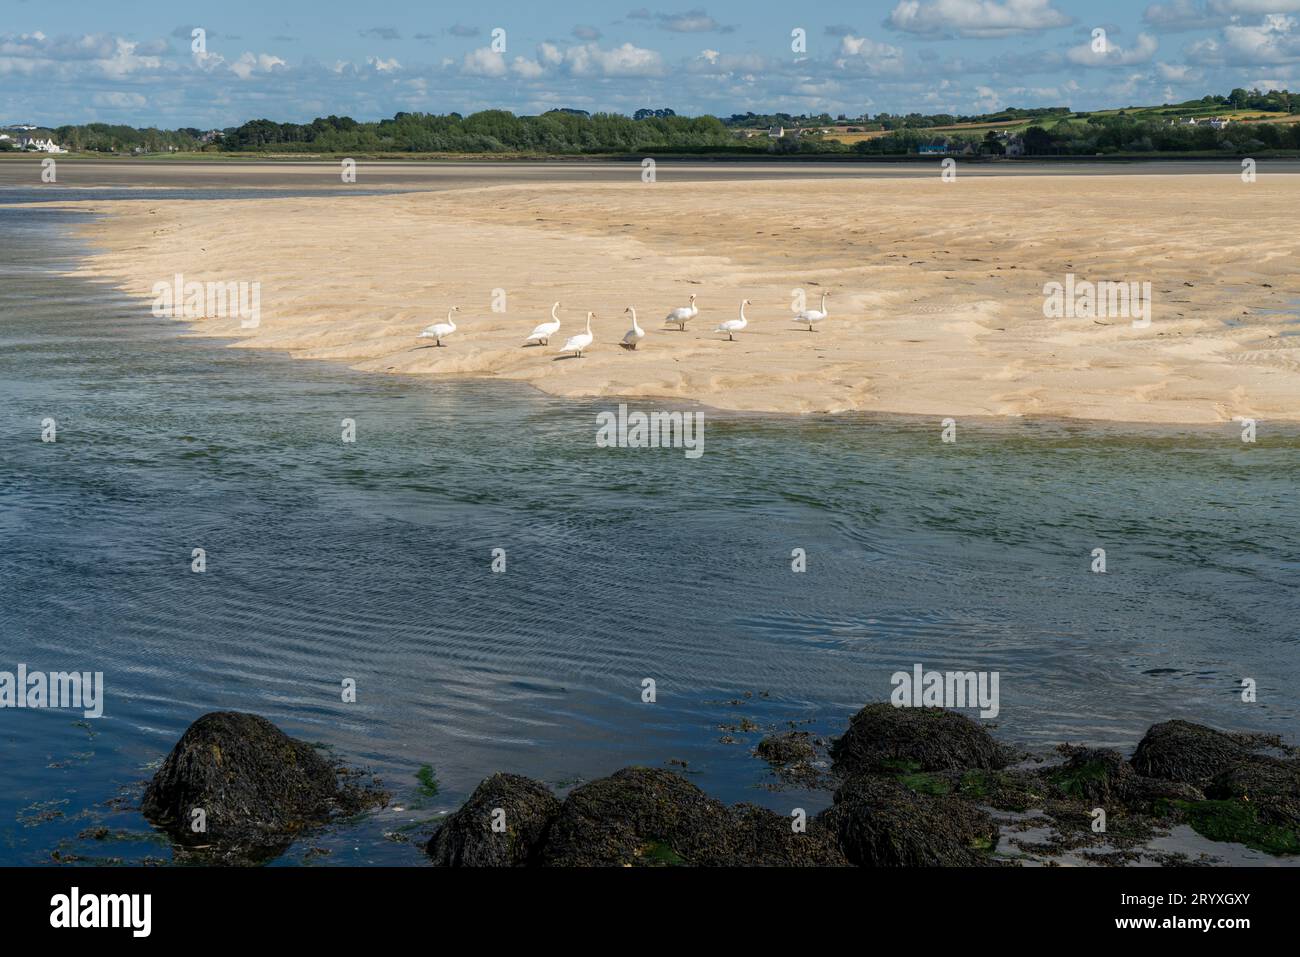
(683, 314)
(542, 334)
(635, 334)
(440, 330)
(813, 316)
(732, 326)
(576, 344)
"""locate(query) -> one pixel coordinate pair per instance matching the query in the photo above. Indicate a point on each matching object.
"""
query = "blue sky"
(75, 61)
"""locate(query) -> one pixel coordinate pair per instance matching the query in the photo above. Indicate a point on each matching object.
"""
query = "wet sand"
(937, 288)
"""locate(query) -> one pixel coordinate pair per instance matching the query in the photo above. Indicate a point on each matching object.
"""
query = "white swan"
(440, 330)
(576, 344)
(542, 334)
(635, 334)
(732, 326)
(812, 316)
(682, 314)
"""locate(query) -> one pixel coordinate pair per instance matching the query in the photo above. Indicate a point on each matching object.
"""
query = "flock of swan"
(578, 343)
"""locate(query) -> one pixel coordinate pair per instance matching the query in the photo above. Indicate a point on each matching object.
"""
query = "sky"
(71, 61)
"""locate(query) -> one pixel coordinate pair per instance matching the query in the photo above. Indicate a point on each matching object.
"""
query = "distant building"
(1219, 122)
(211, 136)
(1015, 146)
(932, 149)
(42, 146)
(776, 132)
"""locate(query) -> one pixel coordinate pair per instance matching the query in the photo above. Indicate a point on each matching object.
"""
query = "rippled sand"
(937, 288)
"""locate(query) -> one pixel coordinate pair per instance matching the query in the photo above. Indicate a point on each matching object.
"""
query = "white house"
(42, 146)
(776, 132)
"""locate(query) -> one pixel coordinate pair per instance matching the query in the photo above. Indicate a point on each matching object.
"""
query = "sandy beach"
(936, 288)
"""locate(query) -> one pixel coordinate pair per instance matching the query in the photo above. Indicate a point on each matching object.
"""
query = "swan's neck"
(449, 312)
(633, 311)
(588, 322)
(742, 313)
(823, 302)
(553, 309)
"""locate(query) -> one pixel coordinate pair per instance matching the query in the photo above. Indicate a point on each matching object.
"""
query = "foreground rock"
(251, 786)
(636, 817)
(880, 822)
(501, 825)
(1192, 753)
(640, 815)
(883, 738)
(1095, 774)
(766, 839)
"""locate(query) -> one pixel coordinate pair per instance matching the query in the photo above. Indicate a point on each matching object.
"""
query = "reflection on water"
(371, 561)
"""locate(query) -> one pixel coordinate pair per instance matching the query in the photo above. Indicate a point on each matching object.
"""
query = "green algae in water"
(428, 781)
(1238, 821)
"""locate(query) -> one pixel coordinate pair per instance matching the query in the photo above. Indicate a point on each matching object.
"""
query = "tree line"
(561, 132)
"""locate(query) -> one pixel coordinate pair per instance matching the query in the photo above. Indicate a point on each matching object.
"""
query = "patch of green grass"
(1075, 781)
(428, 781)
(1239, 821)
(977, 784)
(659, 853)
(926, 782)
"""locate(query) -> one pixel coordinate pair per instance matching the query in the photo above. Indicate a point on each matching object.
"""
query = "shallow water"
(372, 561)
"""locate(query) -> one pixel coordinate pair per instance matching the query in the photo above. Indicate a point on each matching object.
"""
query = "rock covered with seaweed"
(911, 787)
(238, 787)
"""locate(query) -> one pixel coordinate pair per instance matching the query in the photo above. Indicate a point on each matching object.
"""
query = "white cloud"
(527, 69)
(1114, 55)
(866, 54)
(483, 61)
(1274, 40)
(976, 18)
(251, 63)
(1177, 72)
(119, 100)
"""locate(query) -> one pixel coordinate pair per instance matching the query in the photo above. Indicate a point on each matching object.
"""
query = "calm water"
(372, 561)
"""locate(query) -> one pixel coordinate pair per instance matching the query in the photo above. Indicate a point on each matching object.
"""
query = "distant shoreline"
(805, 159)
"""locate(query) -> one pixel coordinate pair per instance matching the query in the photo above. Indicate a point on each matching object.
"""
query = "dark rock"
(1272, 786)
(466, 837)
(766, 839)
(1094, 774)
(882, 823)
(882, 737)
(1193, 753)
(785, 748)
(1154, 794)
(256, 786)
(640, 816)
